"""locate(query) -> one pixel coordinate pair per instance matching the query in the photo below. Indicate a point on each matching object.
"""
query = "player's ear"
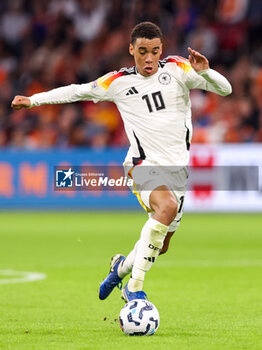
(131, 49)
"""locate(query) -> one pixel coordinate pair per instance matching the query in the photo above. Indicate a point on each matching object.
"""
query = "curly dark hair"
(146, 30)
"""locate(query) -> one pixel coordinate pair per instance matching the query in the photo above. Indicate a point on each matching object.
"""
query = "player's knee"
(168, 209)
(164, 205)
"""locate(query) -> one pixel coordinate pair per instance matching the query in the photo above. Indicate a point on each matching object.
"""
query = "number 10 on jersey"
(158, 101)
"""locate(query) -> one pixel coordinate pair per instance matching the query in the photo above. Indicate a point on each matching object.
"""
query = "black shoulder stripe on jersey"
(127, 71)
(187, 139)
(142, 155)
(161, 63)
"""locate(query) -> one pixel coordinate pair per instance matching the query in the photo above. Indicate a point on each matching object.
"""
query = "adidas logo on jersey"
(132, 91)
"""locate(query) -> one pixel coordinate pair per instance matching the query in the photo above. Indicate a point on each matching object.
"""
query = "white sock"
(125, 267)
(148, 248)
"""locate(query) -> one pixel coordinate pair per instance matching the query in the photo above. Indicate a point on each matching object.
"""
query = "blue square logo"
(64, 178)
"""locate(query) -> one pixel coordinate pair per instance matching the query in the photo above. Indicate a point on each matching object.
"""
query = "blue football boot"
(112, 280)
(128, 296)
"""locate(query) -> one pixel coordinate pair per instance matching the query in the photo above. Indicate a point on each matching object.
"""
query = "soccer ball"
(139, 317)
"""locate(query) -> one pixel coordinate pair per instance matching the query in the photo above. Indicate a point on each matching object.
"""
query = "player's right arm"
(94, 91)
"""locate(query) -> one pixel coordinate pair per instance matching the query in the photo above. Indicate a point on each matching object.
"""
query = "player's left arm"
(203, 77)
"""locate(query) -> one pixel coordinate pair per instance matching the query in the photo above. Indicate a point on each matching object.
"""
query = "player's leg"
(161, 208)
(126, 265)
(120, 266)
(163, 203)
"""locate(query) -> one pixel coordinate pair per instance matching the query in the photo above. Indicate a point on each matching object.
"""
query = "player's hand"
(197, 61)
(20, 102)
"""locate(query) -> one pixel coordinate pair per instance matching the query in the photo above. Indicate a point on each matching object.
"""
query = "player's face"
(146, 53)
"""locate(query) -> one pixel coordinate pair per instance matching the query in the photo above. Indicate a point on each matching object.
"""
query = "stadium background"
(208, 287)
(46, 44)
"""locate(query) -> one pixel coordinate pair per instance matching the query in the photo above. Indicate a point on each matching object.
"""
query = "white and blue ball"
(139, 317)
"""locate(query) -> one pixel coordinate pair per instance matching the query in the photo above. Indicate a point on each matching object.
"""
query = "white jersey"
(156, 110)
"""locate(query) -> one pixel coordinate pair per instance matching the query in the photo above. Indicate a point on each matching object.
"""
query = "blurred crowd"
(45, 44)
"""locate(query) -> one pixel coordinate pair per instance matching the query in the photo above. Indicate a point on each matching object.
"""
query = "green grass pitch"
(207, 288)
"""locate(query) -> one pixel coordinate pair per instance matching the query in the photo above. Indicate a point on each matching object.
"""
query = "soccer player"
(153, 100)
